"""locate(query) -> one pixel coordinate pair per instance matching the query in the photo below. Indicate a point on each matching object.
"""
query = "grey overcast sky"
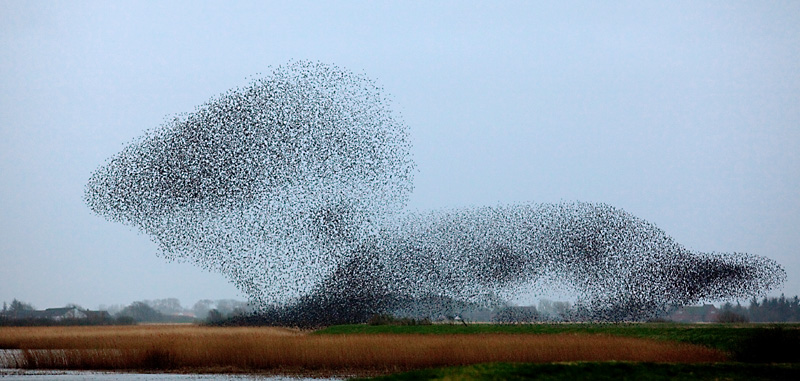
(684, 113)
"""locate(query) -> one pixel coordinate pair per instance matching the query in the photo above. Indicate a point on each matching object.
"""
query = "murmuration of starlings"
(295, 186)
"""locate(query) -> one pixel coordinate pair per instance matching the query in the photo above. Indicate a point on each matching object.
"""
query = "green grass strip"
(605, 371)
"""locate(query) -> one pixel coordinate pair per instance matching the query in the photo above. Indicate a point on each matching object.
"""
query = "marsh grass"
(188, 348)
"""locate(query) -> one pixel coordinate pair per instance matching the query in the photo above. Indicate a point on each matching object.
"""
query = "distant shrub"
(516, 315)
(214, 316)
(728, 316)
(141, 312)
(125, 320)
(385, 319)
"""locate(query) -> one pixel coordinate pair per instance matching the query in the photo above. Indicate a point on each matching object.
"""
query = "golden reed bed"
(267, 349)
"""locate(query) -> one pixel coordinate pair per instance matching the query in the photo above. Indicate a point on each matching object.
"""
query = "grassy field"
(185, 348)
(604, 371)
(744, 342)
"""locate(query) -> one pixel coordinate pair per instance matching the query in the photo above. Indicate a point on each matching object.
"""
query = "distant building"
(706, 313)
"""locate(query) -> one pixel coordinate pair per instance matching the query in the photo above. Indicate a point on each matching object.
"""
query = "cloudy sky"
(686, 114)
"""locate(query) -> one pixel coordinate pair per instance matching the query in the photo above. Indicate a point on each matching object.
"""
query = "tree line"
(146, 311)
(772, 309)
(775, 310)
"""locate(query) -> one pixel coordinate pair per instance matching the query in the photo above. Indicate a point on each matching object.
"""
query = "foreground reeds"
(274, 349)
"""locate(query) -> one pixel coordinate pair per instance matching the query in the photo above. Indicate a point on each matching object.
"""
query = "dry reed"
(275, 349)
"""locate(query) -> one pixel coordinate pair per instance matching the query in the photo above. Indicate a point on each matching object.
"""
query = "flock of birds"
(295, 186)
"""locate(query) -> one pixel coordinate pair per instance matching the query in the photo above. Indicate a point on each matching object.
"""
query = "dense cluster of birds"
(294, 188)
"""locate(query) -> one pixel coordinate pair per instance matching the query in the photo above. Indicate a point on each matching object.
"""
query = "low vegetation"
(744, 342)
(603, 371)
(389, 345)
(181, 348)
(384, 319)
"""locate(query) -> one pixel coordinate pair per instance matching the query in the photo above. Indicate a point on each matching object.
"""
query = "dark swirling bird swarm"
(294, 188)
